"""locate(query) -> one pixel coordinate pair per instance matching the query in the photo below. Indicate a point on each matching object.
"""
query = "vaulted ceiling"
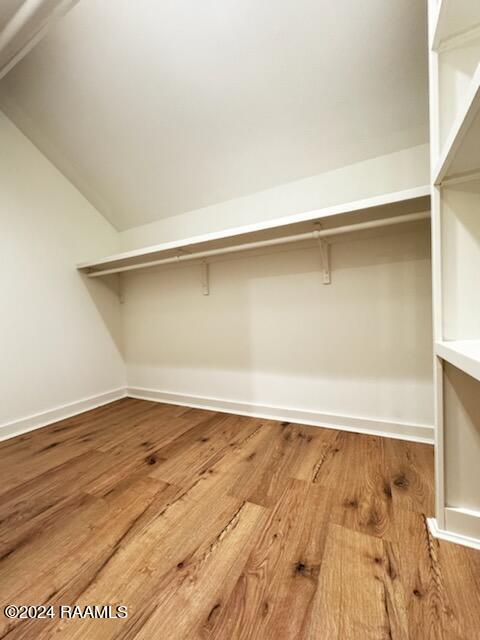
(156, 107)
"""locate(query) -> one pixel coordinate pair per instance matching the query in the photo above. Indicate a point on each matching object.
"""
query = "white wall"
(60, 334)
(389, 173)
(270, 333)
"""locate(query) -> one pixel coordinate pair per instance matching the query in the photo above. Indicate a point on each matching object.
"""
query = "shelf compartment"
(455, 19)
(460, 157)
(463, 354)
(460, 247)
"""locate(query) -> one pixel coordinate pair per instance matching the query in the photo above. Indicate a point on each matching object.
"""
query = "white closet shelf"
(460, 157)
(463, 354)
(401, 206)
(455, 19)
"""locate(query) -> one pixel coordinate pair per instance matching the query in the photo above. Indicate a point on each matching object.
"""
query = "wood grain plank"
(355, 596)
(363, 498)
(199, 448)
(38, 570)
(77, 426)
(273, 592)
(428, 601)
(278, 460)
(411, 471)
(461, 575)
(26, 508)
(320, 449)
(204, 581)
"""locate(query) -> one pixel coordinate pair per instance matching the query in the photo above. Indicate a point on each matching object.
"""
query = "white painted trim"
(449, 536)
(401, 431)
(434, 10)
(463, 522)
(17, 427)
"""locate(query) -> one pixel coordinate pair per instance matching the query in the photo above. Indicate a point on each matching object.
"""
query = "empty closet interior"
(219, 231)
(226, 208)
(242, 317)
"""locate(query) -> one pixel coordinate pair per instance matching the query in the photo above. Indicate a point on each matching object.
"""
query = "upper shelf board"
(388, 205)
(463, 354)
(460, 156)
(455, 19)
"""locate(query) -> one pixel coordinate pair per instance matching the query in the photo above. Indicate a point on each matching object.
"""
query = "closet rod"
(309, 235)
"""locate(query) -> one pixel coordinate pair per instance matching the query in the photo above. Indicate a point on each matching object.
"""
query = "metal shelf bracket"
(324, 247)
(205, 278)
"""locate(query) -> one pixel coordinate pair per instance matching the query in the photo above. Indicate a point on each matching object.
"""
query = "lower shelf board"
(463, 354)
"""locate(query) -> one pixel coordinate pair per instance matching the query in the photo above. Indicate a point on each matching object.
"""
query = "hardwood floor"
(209, 525)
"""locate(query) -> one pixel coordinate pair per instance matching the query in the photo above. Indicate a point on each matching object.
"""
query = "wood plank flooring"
(214, 526)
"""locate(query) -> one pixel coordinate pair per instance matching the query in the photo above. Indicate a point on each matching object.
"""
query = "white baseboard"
(469, 523)
(17, 427)
(402, 431)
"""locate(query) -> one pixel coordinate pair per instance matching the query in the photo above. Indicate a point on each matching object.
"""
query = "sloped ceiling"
(156, 107)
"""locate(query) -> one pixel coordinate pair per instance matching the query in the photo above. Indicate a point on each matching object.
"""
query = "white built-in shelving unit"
(454, 27)
(460, 153)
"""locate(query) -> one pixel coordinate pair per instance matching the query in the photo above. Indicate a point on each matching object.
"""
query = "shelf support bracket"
(121, 291)
(324, 248)
(205, 278)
